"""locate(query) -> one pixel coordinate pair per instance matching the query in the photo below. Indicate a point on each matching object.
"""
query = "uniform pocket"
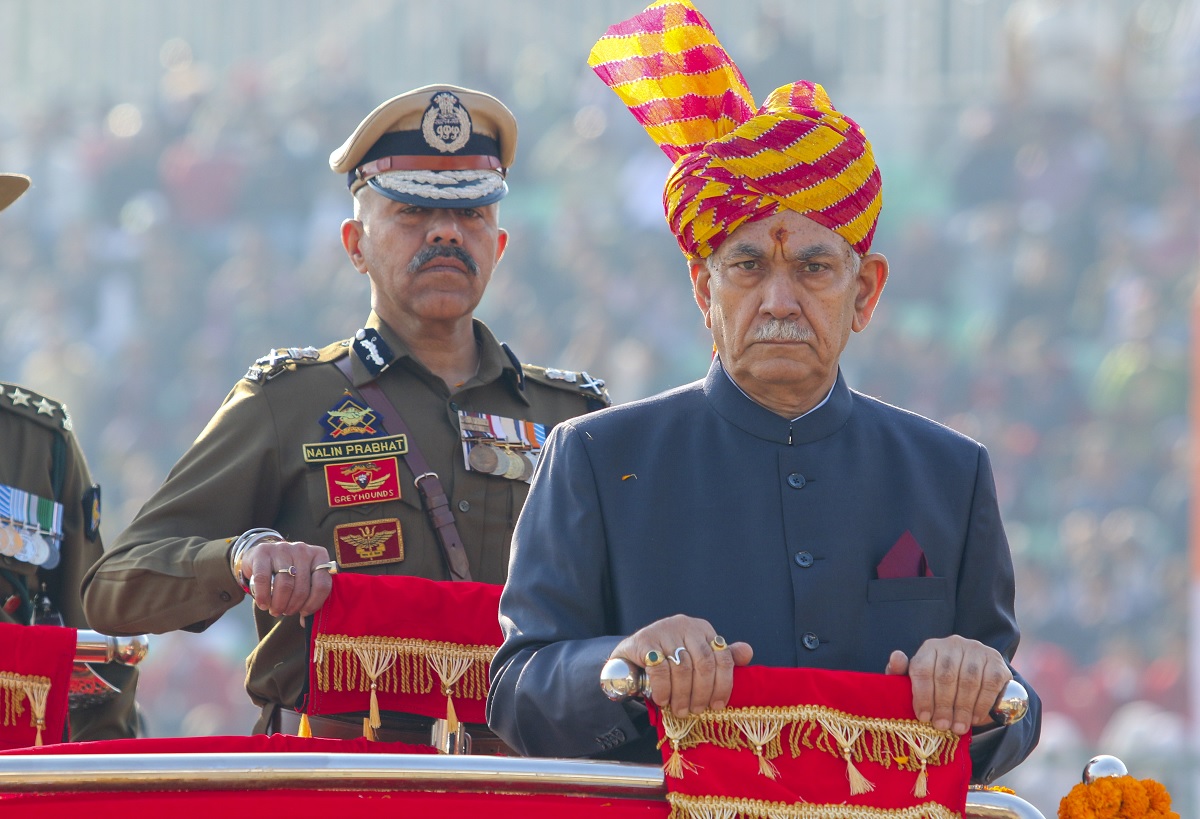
(899, 589)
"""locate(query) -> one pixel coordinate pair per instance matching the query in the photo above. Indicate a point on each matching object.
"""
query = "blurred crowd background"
(1041, 166)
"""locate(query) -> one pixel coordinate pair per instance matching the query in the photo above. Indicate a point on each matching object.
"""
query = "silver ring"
(330, 567)
(675, 657)
(270, 589)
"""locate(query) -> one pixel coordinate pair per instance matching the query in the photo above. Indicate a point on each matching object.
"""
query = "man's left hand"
(955, 681)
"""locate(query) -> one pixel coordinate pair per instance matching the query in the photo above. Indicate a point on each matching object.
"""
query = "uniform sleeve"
(986, 613)
(545, 697)
(170, 569)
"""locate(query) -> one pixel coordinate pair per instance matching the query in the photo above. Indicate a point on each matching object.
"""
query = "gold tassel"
(760, 731)
(921, 789)
(451, 716)
(676, 730)
(845, 733)
(859, 784)
(765, 766)
(305, 728)
(368, 731)
(676, 765)
(375, 719)
(924, 748)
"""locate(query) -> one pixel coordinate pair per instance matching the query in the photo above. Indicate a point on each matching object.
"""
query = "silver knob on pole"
(94, 647)
(1102, 766)
(622, 680)
(1012, 704)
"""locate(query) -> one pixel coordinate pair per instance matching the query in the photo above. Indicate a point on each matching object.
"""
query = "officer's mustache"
(431, 252)
(783, 330)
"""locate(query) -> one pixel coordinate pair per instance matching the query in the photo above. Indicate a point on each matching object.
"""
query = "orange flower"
(1117, 797)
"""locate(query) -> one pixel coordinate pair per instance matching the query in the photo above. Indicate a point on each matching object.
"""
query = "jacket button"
(464, 506)
(796, 480)
(226, 597)
(804, 559)
(810, 640)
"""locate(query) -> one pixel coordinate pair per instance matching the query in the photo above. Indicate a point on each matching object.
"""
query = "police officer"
(405, 449)
(50, 535)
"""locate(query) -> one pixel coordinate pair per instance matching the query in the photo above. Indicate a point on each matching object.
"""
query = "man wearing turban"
(766, 511)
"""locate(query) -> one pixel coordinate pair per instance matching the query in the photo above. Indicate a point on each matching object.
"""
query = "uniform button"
(804, 559)
(796, 480)
(226, 597)
(810, 640)
(464, 506)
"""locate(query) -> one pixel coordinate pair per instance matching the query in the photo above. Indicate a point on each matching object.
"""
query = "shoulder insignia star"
(19, 397)
(44, 407)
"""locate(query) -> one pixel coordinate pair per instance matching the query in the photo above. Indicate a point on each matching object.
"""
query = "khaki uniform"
(42, 457)
(170, 569)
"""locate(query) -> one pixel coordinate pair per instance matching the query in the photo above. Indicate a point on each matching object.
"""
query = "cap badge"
(446, 125)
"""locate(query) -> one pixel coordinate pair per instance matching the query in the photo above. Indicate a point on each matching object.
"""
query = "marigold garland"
(1117, 797)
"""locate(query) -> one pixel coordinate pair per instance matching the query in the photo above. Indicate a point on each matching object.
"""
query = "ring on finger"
(718, 643)
(652, 658)
(289, 570)
(675, 657)
(330, 567)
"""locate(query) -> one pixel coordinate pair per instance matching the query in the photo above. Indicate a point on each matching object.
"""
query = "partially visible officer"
(50, 536)
(405, 449)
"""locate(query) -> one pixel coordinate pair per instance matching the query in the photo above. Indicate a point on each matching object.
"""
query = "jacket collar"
(728, 400)
(494, 362)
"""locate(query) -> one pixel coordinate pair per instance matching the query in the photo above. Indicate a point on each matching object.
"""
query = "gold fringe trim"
(34, 689)
(398, 665)
(684, 806)
(908, 744)
(406, 666)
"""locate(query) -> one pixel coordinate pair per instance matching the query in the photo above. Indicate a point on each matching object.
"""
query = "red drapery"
(35, 673)
(819, 737)
(398, 641)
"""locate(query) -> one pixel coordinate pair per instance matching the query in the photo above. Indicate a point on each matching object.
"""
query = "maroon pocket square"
(904, 559)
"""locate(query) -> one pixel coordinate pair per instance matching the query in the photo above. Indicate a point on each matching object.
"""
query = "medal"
(503, 461)
(516, 466)
(483, 458)
(30, 548)
(41, 550)
(11, 542)
(504, 447)
(527, 467)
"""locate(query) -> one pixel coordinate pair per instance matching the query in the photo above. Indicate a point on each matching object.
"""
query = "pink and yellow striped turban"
(733, 164)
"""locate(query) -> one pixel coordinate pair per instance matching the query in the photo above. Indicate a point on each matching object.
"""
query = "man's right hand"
(299, 587)
(689, 667)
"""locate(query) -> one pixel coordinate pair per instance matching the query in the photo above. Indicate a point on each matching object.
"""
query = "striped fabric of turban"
(733, 164)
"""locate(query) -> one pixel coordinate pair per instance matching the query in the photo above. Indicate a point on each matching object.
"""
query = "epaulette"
(283, 359)
(578, 382)
(36, 407)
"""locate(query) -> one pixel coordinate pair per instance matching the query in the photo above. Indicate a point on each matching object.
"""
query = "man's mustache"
(431, 252)
(782, 330)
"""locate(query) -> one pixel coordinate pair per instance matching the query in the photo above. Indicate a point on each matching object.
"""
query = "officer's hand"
(286, 580)
(955, 681)
(689, 667)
